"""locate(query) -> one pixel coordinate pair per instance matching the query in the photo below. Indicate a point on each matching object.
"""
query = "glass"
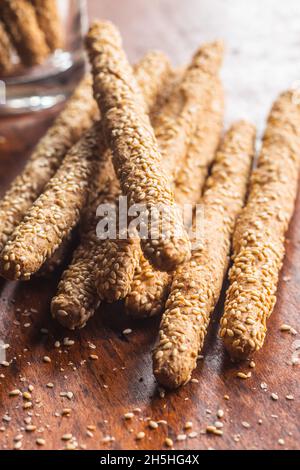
(42, 86)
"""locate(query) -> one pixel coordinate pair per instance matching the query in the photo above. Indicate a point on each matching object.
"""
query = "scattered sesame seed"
(140, 435)
(220, 413)
(243, 375)
(193, 434)
(281, 442)
(246, 425)
(274, 396)
(214, 430)
(15, 393)
(30, 428)
(285, 327)
(168, 442)
(188, 425)
(27, 396)
(290, 397)
(46, 359)
(40, 441)
(93, 357)
(181, 437)
(127, 331)
(129, 415)
(153, 424)
(67, 437)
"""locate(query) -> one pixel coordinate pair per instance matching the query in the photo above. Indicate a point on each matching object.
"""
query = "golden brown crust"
(202, 148)
(197, 284)
(178, 120)
(77, 298)
(125, 121)
(151, 287)
(78, 116)
(20, 20)
(148, 291)
(5, 51)
(49, 22)
(118, 259)
(258, 241)
(53, 215)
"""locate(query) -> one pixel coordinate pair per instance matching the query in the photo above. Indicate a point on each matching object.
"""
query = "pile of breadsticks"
(30, 30)
(154, 135)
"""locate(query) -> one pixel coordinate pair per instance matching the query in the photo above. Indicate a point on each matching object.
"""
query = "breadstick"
(21, 22)
(197, 284)
(201, 151)
(258, 242)
(119, 259)
(5, 51)
(150, 287)
(53, 215)
(76, 299)
(136, 156)
(78, 115)
(49, 22)
(157, 284)
(178, 120)
(58, 258)
(148, 291)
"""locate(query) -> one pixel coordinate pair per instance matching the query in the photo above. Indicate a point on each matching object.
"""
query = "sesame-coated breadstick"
(77, 299)
(49, 22)
(136, 156)
(5, 51)
(197, 284)
(178, 121)
(201, 151)
(59, 257)
(78, 115)
(156, 283)
(150, 287)
(258, 241)
(119, 259)
(53, 215)
(149, 291)
(20, 20)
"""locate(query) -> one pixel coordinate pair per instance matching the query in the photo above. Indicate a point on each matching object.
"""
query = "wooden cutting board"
(121, 380)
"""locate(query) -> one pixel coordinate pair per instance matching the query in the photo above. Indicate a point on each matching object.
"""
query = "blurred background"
(262, 58)
(262, 39)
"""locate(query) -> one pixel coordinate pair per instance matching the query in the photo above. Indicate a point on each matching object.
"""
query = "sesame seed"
(128, 415)
(243, 375)
(168, 442)
(188, 425)
(40, 441)
(140, 435)
(46, 359)
(153, 424)
(30, 428)
(15, 393)
(245, 424)
(290, 397)
(127, 331)
(274, 396)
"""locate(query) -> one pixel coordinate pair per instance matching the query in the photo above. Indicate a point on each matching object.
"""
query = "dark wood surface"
(121, 379)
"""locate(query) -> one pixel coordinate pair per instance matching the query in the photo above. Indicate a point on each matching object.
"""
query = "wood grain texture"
(103, 394)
